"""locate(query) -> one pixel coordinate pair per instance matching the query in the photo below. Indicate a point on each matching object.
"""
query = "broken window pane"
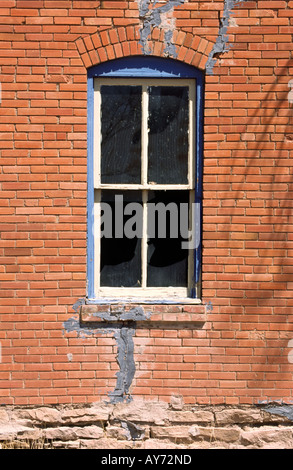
(121, 134)
(121, 226)
(168, 135)
(167, 260)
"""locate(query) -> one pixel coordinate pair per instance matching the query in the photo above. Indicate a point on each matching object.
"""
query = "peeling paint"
(222, 43)
(160, 17)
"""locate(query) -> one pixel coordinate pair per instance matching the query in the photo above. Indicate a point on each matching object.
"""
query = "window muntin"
(144, 150)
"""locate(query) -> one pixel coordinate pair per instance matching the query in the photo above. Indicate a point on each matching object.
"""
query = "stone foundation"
(147, 425)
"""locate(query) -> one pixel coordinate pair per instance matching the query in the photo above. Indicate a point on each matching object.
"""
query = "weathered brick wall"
(233, 349)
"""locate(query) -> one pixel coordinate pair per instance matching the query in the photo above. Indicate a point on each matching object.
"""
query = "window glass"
(167, 260)
(121, 134)
(168, 135)
(120, 247)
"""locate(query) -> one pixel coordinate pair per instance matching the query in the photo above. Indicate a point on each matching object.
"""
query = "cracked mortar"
(152, 16)
(222, 42)
(124, 339)
(160, 17)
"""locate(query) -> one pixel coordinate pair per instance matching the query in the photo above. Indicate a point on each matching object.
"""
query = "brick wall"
(233, 348)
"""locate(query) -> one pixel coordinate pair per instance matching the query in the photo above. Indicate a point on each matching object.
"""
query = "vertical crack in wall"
(125, 359)
(121, 323)
(125, 353)
(161, 17)
(222, 42)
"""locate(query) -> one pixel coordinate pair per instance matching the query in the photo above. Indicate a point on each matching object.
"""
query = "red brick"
(247, 254)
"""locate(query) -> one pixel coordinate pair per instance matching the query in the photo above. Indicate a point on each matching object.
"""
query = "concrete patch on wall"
(73, 324)
(78, 304)
(125, 359)
(283, 410)
(133, 432)
(222, 42)
(121, 323)
(125, 353)
(152, 16)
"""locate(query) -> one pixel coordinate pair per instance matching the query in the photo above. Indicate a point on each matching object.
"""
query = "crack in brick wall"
(161, 17)
(222, 42)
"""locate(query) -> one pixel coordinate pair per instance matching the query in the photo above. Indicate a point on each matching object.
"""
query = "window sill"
(145, 313)
(144, 301)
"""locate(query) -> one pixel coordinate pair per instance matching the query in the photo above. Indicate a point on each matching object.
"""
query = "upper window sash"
(145, 84)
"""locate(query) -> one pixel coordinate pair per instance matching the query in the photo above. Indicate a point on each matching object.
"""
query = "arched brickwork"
(125, 41)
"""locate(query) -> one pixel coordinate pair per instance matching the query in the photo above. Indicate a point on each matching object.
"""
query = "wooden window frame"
(187, 76)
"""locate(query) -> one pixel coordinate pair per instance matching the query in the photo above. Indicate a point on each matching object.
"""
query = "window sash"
(145, 83)
(144, 186)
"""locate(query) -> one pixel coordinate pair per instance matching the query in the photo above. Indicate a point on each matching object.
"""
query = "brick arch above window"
(125, 41)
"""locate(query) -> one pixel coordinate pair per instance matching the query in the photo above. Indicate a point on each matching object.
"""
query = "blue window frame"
(146, 68)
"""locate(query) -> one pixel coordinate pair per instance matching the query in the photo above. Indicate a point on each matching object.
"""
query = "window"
(145, 213)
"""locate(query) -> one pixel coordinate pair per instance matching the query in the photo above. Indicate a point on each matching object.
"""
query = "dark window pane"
(167, 260)
(121, 238)
(121, 134)
(168, 135)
